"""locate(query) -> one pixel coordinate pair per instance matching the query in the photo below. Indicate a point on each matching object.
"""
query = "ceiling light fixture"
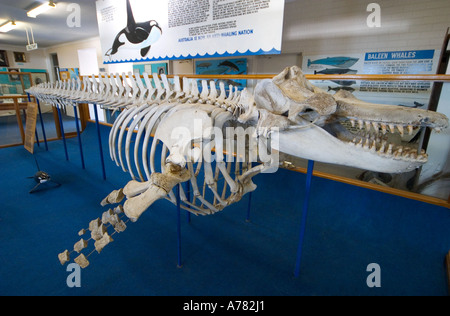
(41, 9)
(8, 26)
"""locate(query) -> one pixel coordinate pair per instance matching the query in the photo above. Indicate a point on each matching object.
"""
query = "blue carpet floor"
(10, 133)
(347, 229)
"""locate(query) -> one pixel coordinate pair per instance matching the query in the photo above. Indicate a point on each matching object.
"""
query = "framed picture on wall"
(3, 59)
(20, 57)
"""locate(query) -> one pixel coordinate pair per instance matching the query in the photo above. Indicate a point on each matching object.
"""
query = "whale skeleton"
(166, 133)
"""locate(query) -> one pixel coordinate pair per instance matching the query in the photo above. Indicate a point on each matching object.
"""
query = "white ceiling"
(50, 28)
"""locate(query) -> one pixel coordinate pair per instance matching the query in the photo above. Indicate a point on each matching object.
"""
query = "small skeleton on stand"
(42, 177)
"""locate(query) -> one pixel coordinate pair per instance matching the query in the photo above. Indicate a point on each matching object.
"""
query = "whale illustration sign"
(150, 30)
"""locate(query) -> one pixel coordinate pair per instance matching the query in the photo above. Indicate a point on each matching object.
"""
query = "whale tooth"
(384, 128)
(392, 128)
(373, 148)
(359, 144)
(376, 127)
(366, 144)
(410, 129)
(382, 148)
(400, 129)
(390, 147)
(360, 124)
(367, 124)
(422, 157)
(353, 123)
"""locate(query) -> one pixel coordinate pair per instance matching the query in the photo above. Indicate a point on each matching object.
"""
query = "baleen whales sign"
(150, 30)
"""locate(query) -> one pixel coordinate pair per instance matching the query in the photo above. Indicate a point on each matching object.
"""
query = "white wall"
(330, 26)
(68, 53)
(317, 27)
(35, 59)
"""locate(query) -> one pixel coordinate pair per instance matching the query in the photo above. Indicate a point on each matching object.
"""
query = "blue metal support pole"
(249, 206)
(309, 176)
(99, 141)
(188, 196)
(42, 124)
(62, 133)
(37, 138)
(77, 124)
(179, 265)
(247, 219)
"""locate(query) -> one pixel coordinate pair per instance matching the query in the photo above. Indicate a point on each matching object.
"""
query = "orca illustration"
(142, 35)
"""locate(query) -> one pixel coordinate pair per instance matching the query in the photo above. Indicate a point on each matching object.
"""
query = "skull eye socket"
(309, 115)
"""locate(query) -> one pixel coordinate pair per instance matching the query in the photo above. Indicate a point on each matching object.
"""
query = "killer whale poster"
(152, 30)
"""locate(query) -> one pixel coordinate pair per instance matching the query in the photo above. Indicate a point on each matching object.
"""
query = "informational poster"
(334, 65)
(151, 30)
(227, 66)
(30, 127)
(69, 73)
(404, 93)
(409, 93)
